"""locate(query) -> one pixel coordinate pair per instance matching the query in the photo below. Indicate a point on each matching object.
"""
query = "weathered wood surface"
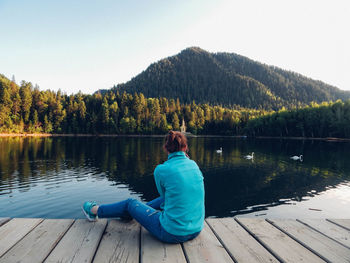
(278, 243)
(3, 220)
(206, 248)
(36, 246)
(80, 242)
(329, 229)
(14, 230)
(345, 223)
(325, 247)
(222, 240)
(238, 242)
(120, 243)
(155, 251)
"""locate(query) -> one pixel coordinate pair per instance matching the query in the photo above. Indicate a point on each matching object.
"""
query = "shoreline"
(329, 139)
(75, 135)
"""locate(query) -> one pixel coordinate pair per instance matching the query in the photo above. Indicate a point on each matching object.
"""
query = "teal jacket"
(180, 182)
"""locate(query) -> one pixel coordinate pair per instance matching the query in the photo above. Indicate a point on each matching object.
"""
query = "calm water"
(52, 177)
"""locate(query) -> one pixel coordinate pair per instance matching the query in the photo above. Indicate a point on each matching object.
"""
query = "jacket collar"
(175, 154)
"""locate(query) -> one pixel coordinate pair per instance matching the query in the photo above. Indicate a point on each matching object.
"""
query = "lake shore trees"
(26, 109)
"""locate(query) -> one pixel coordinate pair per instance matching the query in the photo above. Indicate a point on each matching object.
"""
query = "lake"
(51, 177)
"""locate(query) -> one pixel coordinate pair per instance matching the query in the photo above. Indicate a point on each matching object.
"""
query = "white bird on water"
(295, 158)
(220, 150)
(249, 156)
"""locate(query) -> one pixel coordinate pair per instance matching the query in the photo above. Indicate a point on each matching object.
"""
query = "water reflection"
(38, 175)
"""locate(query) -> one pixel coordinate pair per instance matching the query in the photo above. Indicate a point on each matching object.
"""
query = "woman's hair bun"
(175, 141)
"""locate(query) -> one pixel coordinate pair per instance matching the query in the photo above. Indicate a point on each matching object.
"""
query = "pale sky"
(89, 45)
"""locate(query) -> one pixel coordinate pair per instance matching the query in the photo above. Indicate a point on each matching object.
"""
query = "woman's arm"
(157, 179)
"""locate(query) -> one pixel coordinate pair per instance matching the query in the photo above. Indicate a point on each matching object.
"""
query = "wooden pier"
(222, 240)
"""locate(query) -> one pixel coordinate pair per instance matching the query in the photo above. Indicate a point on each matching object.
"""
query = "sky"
(86, 45)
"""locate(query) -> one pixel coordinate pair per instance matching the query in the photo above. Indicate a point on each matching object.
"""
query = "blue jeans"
(146, 214)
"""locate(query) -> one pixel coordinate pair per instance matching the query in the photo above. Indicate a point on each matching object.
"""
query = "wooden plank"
(240, 244)
(38, 243)
(3, 220)
(14, 230)
(206, 248)
(325, 247)
(79, 244)
(331, 230)
(120, 243)
(345, 223)
(155, 251)
(278, 243)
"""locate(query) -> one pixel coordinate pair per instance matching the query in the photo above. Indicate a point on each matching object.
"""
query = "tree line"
(26, 109)
(327, 119)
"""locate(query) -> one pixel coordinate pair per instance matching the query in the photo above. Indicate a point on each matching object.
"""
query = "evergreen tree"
(26, 97)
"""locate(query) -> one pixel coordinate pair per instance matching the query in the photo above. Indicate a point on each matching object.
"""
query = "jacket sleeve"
(157, 179)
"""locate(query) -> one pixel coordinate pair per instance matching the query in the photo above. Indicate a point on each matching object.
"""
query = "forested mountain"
(228, 79)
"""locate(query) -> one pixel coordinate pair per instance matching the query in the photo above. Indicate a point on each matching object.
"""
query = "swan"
(297, 158)
(220, 150)
(249, 156)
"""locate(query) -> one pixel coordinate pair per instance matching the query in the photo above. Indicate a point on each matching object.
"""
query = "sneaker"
(87, 211)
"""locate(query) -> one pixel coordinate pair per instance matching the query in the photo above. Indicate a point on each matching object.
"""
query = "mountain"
(228, 79)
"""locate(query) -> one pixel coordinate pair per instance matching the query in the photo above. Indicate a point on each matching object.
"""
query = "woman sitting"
(180, 185)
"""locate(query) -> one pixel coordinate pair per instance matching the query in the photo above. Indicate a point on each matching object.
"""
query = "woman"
(180, 185)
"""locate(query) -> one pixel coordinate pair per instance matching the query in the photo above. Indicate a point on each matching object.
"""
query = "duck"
(295, 158)
(249, 156)
(220, 150)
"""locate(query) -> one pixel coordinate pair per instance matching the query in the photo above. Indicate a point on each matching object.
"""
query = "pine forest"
(26, 109)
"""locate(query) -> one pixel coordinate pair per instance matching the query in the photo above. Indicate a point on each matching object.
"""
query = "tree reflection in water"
(233, 184)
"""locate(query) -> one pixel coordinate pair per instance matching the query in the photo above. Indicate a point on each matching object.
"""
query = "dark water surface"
(52, 177)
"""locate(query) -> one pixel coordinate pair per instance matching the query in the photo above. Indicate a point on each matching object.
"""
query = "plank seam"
(7, 219)
(58, 240)
(99, 242)
(222, 242)
(140, 245)
(329, 220)
(260, 241)
(298, 241)
(41, 220)
(306, 224)
(185, 253)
